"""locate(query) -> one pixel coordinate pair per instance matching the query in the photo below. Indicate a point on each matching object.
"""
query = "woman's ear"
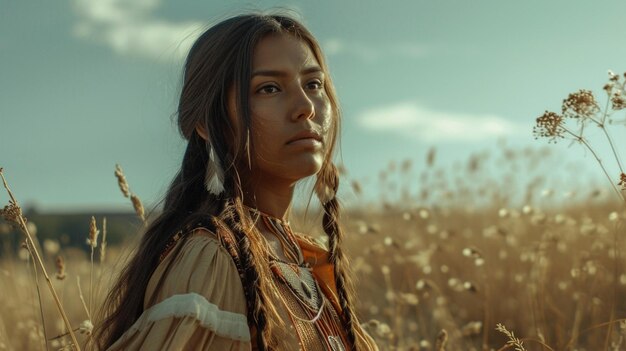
(201, 130)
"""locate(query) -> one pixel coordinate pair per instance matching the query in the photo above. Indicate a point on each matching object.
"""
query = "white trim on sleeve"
(224, 323)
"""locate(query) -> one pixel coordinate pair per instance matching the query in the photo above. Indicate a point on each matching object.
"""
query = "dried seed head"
(51, 247)
(469, 286)
(385, 269)
(430, 157)
(581, 104)
(138, 206)
(341, 169)
(11, 213)
(406, 165)
(618, 102)
(356, 187)
(60, 263)
(472, 328)
(503, 213)
(423, 284)
(622, 181)
(513, 341)
(442, 340)
(85, 327)
(383, 330)
(472, 252)
(121, 181)
(92, 240)
(24, 253)
(409, 299)
(549, 125)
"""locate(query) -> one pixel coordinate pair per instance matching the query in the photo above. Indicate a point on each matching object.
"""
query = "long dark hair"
(221, 60)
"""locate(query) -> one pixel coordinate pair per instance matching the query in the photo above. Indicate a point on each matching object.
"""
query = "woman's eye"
(268, 89)
(316, 84)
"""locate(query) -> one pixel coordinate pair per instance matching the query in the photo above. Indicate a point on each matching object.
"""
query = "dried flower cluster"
(622, 181)
(618, 100)
(615, 90)
(581, 105)
(11, 213)
(549, 125)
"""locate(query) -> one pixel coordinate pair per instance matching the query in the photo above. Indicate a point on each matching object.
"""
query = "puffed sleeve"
(199, 303)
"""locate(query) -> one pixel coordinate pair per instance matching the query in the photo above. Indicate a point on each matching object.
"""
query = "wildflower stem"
(91, 284)
(581, 140)
(608, 137)
(39, 261)
(43, 319)
(82, 298)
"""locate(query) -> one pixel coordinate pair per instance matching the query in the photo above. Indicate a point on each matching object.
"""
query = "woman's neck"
(272, 198)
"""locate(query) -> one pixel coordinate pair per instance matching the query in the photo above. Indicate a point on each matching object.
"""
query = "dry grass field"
(472, 260)
(552, 277)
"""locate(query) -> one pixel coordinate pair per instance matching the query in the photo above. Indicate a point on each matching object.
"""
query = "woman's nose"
(303, 106)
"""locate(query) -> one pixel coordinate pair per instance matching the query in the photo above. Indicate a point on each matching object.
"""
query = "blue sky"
(86, 84)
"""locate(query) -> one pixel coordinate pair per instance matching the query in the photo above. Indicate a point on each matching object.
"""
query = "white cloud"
(421, 123)
(128, 28)
(369, 53)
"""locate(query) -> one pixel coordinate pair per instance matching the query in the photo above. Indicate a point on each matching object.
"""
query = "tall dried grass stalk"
(103, 243)
(93, 243)
(82, 297)
(513, 340)
(121, 181)
(14, 213)
(36, 278)
(125, 188)
(138, 207)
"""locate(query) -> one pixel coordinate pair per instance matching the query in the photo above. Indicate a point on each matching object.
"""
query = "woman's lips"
(308, 142)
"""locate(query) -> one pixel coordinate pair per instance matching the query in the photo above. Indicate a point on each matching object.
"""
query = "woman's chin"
(305, 169)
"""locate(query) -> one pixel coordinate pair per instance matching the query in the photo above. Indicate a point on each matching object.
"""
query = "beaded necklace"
(299, 281)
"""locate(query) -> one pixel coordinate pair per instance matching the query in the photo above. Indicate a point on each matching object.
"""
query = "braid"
(254, 284)
(340, 262)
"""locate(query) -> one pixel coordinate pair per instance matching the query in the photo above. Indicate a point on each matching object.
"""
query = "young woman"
(220, 268)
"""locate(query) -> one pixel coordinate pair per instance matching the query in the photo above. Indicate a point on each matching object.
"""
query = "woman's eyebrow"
(278, 73)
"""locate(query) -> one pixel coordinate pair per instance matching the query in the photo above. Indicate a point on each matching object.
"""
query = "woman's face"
(287, 98)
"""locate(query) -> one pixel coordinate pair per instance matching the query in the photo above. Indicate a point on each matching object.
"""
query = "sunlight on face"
(287, 97)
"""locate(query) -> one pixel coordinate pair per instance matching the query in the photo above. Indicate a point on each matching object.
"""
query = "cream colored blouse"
(200, 304)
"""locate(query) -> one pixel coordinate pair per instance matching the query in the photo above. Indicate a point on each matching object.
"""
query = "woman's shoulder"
(194, 299)
(198, 263)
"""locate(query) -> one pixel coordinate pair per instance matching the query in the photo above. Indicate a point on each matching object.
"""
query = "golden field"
(553, 276)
